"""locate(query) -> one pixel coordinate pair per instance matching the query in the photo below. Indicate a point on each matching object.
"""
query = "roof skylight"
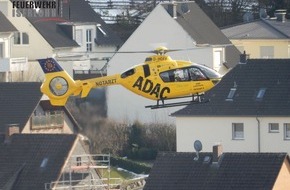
(261, 94)
(231, 94)
(101, 30)
(44, 163)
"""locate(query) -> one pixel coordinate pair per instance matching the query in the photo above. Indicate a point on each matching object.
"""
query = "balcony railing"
(13, 64)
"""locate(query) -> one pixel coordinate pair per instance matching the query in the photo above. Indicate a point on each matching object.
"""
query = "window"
(168, 76)
(128, 73)
(267, 51)
(79, 36)
(261, 94)
(273, 127)
(21, 38)
(231, 94)
(53, 119)
(218, 58)
(89, 42)
(44, 163)
(1, 50)
(196, 74)
(101, 30)
(287, 131)
(238, 131)
(181, 75)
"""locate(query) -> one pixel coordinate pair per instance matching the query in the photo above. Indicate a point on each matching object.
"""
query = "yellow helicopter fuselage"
(159, 78)
(145, 79)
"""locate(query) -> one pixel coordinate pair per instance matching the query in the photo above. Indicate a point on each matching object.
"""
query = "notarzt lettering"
(106, 82)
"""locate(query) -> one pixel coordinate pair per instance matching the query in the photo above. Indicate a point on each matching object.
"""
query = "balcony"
(13, 64)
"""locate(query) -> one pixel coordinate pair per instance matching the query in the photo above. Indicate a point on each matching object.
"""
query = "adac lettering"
(148, 86)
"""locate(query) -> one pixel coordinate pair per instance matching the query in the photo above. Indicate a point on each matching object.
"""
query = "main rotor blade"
(198, 46)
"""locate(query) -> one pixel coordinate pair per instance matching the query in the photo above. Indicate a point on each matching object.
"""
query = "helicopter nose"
(215, 81)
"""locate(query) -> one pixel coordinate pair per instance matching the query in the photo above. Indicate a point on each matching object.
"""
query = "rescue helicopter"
(159, 78)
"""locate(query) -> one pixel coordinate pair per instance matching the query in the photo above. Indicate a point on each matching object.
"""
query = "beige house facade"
(263, 38)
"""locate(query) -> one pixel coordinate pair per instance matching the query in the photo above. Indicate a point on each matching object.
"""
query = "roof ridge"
(276, 29)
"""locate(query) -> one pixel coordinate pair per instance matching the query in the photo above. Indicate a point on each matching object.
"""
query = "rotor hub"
(161, 50)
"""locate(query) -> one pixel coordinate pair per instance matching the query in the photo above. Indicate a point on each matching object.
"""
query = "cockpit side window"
(128, 73)
(167, 76)
(196, 74)
(181, 75)
(175, 75)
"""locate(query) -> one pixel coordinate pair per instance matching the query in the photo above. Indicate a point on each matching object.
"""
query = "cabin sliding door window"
(89, 38)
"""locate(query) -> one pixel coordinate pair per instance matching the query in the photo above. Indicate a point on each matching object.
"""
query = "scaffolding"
(86, 172)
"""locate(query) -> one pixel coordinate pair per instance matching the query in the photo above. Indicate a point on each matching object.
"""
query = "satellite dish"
(197, 146)
(184, 8)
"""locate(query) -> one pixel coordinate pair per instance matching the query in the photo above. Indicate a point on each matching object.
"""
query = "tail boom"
(58, 85)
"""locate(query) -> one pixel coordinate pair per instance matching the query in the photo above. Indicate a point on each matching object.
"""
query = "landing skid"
(197, 99)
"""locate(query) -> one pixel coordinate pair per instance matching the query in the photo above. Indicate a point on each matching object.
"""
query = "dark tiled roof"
(272, 75)
(201, 28)
(18, 101)
(81, 11)
(21, 159)
(77, 11)
(52, 33)
(259, 29)
(6, 25)
(235, 171)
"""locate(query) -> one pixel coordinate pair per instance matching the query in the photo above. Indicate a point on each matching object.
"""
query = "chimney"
(174, 10)
(217, 151)
(280, 14)
(243, 58)
(10, 130)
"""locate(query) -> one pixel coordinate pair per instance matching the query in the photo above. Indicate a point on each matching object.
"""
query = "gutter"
(259, 134)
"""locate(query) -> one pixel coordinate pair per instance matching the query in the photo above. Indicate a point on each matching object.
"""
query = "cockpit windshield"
(192, 73)
(210, 73)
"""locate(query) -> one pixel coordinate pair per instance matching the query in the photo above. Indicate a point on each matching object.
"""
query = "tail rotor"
(58, 85)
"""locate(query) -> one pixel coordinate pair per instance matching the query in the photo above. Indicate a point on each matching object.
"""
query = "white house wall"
(156, 30)
(37, 47)
(218, 130)
(5, 39)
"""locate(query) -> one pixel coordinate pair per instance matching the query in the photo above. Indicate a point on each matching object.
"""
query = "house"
(186, 170)
(248, 111)
(46, 161)
(22, 106)
(174, 25)
(8, 63)
(70, 31)
(262, 38)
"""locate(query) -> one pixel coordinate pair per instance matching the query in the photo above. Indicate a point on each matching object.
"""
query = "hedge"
(130, 165)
